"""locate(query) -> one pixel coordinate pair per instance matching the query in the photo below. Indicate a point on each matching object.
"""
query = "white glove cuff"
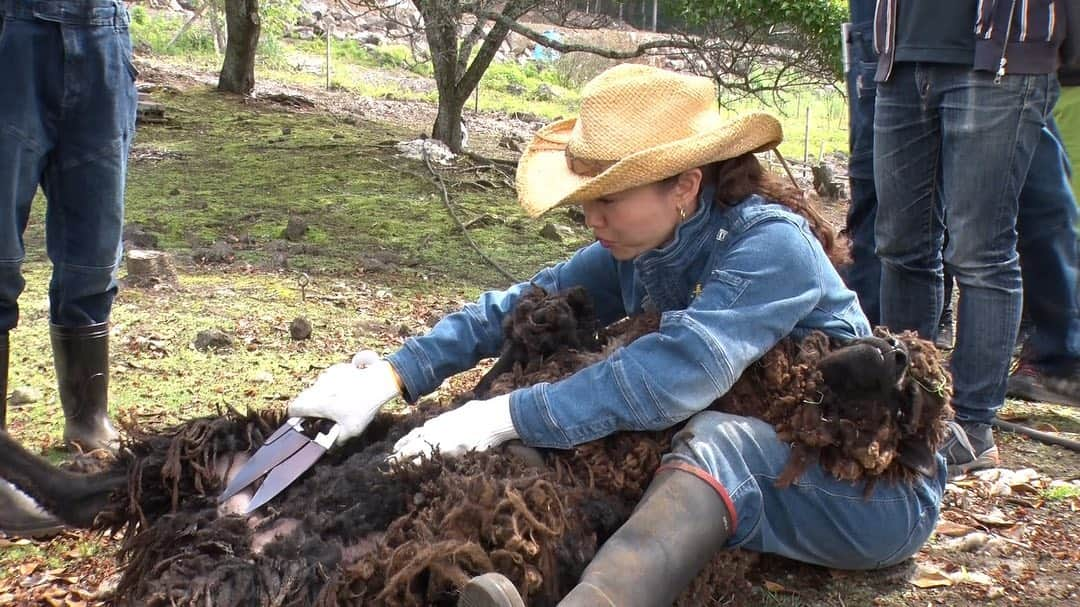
(385, 385)
(502, 424)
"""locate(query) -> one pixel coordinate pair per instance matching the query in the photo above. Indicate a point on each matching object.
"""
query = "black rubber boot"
(3, 379)
(81, 356)
(677, 528)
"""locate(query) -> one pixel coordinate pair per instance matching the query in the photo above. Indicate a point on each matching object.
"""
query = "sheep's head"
(866, 367)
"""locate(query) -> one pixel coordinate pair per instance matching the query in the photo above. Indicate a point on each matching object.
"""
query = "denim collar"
(689, 235)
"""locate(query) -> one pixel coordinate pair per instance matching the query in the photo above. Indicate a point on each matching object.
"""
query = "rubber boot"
(81, 357)
(677, 528)
(3, 379)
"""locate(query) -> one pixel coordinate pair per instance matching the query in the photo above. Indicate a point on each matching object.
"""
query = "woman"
(688, 223)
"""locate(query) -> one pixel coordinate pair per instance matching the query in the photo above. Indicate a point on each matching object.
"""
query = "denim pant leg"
(819, 519)
(24, 145)
(863, 275)
(70, 62)
(1046, 241)
(909, 227)
(952, 145)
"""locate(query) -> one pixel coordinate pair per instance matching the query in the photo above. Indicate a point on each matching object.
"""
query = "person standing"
(67, 118)
(964, 90)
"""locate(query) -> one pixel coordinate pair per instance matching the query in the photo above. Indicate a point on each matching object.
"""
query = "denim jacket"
(732, 283)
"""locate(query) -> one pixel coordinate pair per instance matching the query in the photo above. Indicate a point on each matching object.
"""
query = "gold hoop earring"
(682, 214)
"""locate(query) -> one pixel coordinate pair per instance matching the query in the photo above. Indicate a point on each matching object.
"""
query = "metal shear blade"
(286, 455)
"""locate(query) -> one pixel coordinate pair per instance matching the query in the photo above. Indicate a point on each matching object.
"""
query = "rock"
(516, 89)
(824, 182)
(512, 142)
(137, 237)
(295, 229)
(576, 214)
(213, 339)
(300, 328)
(24, 396)
(970, 542)
(544, 92)
(551, 232)
(372, 38)
(436, 151)
(263, 377)
(219, 252)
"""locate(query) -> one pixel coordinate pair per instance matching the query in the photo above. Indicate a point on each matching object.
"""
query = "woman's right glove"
(349, 393)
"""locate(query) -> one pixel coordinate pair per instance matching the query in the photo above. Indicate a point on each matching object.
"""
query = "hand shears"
(283, 458)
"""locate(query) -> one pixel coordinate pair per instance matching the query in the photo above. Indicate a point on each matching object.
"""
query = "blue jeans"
(67, 117)
(951, 145)
(1047, 243)
(863, 275)
(819, 519)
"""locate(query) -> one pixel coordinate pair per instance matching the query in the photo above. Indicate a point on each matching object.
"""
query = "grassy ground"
(383, 259)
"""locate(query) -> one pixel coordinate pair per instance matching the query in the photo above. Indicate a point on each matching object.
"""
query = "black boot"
(3, 379)
(81, 356)
(677, 528)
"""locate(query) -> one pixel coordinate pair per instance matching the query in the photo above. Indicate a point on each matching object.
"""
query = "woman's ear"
(687, 186)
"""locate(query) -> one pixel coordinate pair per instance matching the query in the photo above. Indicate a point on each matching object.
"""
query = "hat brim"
(545, 181)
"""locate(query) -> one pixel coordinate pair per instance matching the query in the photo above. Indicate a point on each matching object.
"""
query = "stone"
(295, 229)
(550, 232)
(24, 396)
(300, 328)
(213, 339)
(137, 237)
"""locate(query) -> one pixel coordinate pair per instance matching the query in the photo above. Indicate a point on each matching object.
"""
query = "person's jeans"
(67, 117)
(863, 275)
(819, 519)
(951, 145)
(1047, 243)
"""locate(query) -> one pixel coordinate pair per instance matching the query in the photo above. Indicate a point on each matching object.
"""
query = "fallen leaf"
(931, 577)
(951, 529)
(778, 588)
(994, 518)
(27, 568)
(972, 577)
(1015, 532)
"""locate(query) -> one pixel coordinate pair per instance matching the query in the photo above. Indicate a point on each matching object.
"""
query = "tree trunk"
(447, 127)
(238, 70)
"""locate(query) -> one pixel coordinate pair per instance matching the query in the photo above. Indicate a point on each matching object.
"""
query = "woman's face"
(640, 219)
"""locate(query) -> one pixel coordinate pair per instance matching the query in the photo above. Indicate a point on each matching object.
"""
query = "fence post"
(806, 137)
(329, 37)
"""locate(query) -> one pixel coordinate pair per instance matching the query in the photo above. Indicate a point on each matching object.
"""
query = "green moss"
(1064, 492)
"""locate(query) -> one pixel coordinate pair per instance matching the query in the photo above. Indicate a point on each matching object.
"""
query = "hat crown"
(630, 108)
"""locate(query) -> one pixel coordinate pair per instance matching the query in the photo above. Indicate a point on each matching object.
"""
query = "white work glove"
(478, 424)
(349, 394)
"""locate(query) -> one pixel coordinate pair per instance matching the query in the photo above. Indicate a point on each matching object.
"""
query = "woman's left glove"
(478, 424)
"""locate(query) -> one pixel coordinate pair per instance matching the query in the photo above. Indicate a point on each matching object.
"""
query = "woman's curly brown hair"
(739, 177)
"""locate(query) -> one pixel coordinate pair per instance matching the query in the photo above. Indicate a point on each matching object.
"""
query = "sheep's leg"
(76, 499)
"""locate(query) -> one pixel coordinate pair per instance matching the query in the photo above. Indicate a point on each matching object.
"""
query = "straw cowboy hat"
(638, 125)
